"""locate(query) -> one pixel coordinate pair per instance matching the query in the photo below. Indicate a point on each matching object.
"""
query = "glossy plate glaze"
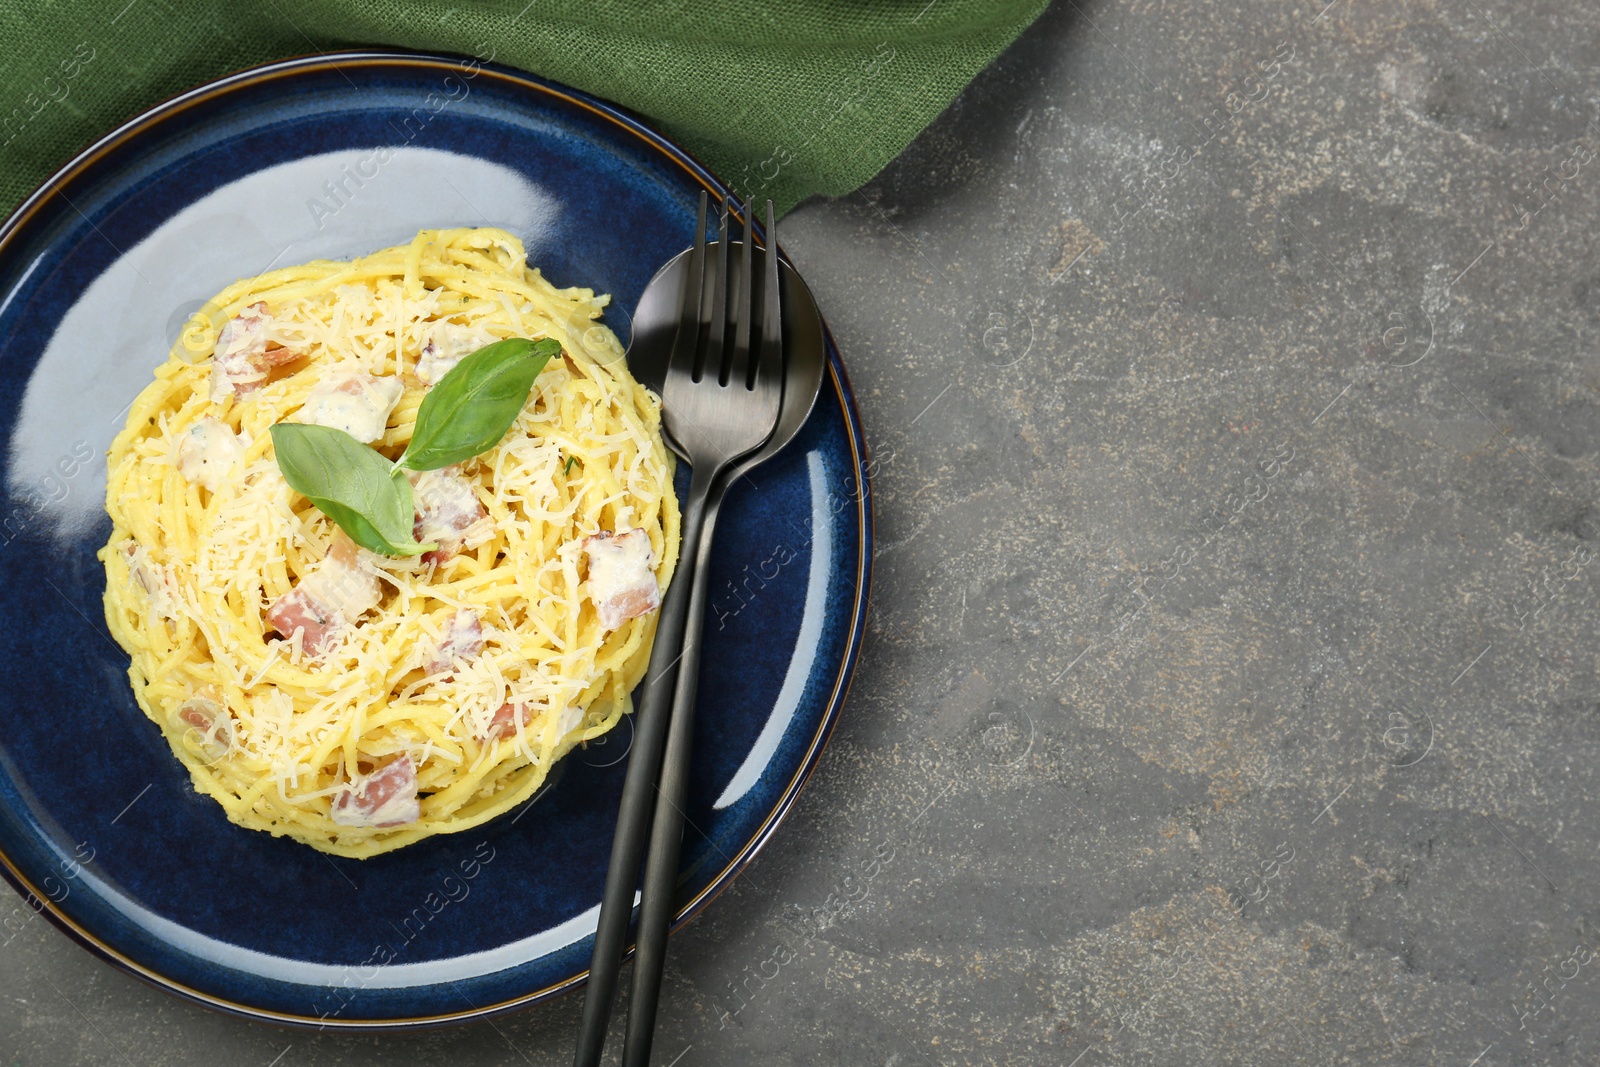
(334, 156)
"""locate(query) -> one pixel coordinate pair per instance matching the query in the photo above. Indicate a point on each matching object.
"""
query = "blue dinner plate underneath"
(332, 157)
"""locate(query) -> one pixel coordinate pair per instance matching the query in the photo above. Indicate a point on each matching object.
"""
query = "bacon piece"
(344, 551)
(338, 591)
(448, 344)
(462, 639)
(449, 513)
(622, 582)
(342, 581)
(205, 713)
(299, 610)
(208, 452)
(386, 797)
(358, 404)
(507, 718)
(151, 577)
(244, 358)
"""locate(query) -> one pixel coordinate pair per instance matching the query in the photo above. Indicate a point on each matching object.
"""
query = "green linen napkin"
(781, 100)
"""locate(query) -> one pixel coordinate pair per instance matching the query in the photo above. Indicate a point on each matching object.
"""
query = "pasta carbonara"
(359, 702)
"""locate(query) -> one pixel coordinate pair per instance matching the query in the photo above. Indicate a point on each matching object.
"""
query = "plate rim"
(174, 105)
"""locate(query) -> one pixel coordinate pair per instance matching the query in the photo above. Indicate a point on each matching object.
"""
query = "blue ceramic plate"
(334, 156)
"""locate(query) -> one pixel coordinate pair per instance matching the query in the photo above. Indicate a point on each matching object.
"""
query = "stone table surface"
(1230, 694)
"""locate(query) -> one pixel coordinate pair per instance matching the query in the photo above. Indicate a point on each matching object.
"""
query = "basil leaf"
(476, 402)
(351, 483)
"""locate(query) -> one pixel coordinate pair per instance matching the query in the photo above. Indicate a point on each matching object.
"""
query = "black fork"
(720, 401)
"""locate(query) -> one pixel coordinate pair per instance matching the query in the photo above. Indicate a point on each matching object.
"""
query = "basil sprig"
(351, 482)
(474, 404)
(466, 413)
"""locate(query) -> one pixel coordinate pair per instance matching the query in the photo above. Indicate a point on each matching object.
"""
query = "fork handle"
(644, 761)
(666, 831)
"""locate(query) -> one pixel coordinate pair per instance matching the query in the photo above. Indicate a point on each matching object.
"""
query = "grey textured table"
(1231, 688)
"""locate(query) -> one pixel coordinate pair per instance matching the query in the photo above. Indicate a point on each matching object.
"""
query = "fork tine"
(770, 363)
(737, 370)
(686, 343)
(710, 358)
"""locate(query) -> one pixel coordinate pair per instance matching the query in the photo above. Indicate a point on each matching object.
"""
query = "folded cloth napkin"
(781, 98)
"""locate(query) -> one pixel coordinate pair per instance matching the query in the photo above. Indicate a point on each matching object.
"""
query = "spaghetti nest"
(288, 738)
